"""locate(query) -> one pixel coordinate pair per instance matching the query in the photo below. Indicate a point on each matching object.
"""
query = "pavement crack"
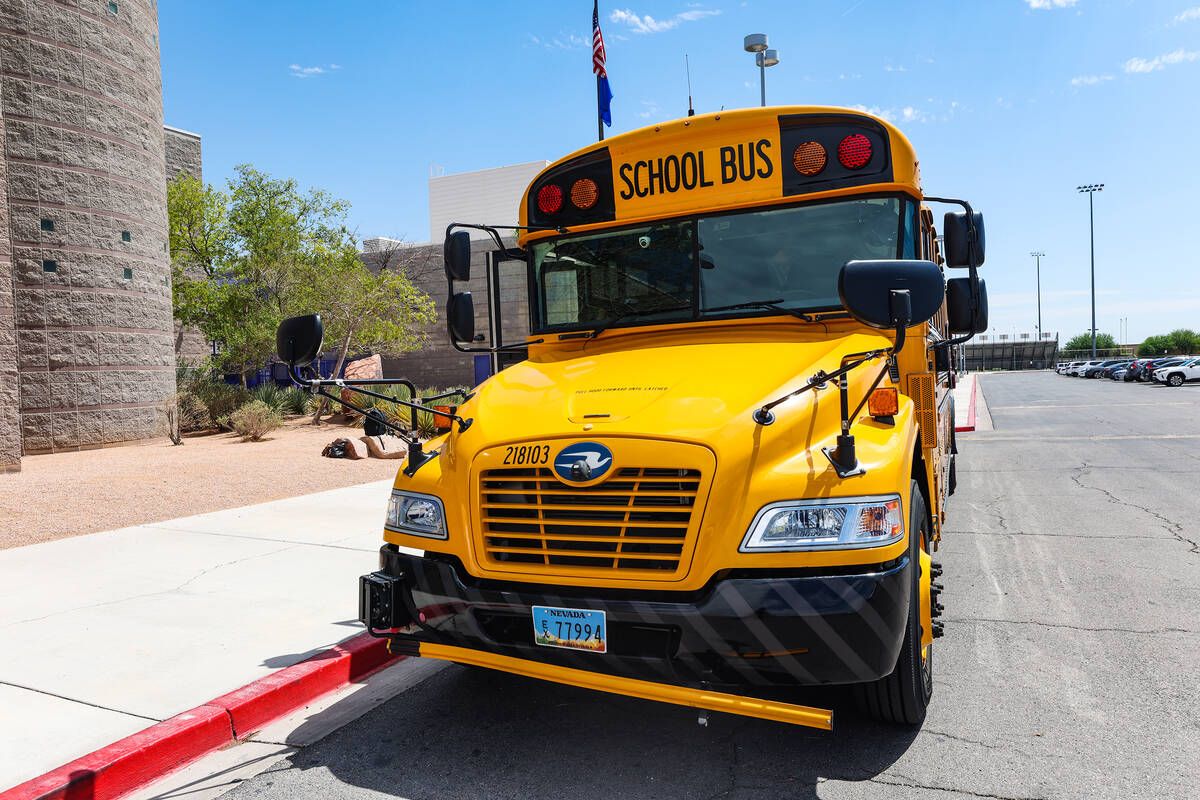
(909, 783)
(77, 700)
(1149, 632)
(144, 595)
(1121, 537)
(1170, 526)
(927, 732)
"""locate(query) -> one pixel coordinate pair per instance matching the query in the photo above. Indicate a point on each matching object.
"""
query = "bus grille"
(637, 521)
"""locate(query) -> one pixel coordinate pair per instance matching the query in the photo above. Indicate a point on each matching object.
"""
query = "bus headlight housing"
(417, 514)
(833, 524)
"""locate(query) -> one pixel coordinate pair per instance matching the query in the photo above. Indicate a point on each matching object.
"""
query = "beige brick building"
(86, 336)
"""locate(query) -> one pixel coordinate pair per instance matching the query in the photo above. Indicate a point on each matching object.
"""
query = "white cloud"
(1041, 5)
(1186, 16)
(311, 72)
(1090, 80)
(1135, 65)
(902, 114)
(645, 23)
(890, 68)
(650, 109)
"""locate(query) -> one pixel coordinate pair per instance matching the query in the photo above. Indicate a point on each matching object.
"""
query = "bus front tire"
(902, 697)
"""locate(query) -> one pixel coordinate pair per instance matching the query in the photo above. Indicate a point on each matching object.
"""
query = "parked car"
(1135, 368)
(1083, 367)
(1107, 371)
(1067, 366)
(1161, 363)
(1179, 374)
(1118, 374)
(1097, 368)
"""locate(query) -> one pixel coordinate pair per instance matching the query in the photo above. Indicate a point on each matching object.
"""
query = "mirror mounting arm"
(319, 384)
(973, 273)
(494, 232)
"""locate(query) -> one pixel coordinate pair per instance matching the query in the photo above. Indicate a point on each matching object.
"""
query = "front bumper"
(739, 631)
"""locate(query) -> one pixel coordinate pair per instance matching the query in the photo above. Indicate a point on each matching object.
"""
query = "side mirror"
(958, 251)
(893, 293)
(457, 255)
(298, 339)
(460, 317)
(958, 307)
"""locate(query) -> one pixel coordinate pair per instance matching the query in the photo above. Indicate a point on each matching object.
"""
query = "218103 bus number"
(527, 454)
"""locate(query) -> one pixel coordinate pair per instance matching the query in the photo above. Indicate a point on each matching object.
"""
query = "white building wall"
(486, 196)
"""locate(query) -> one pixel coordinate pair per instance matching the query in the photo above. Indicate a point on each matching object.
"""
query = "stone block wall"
(10, 397)
(184, 154)
(81, 98)
(437, 363)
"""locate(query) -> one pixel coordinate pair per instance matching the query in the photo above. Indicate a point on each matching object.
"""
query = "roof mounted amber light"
(584, 193)
(884, 402)
(809, 158)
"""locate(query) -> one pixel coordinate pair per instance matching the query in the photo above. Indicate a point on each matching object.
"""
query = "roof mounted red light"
(854, 151)
(550, 198)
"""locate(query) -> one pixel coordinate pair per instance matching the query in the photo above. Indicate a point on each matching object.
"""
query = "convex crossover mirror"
(891, 293)
(298, 339)
(457, 255)
(460, 317)
(958, 307)
(956, 241)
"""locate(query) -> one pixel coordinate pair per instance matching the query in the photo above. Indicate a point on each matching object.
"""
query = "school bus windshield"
(676, 270)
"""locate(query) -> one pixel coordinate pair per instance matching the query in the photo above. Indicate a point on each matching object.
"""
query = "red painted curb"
(125, 765)
(278, 694)
(970, 426)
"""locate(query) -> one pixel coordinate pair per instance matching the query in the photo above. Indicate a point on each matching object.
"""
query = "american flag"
(597, 42)
(604, 93)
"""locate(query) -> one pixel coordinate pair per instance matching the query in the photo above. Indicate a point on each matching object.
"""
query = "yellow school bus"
(723, 466)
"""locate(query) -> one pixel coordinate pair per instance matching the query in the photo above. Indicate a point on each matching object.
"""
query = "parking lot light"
(1090, 189)
(1039, 255)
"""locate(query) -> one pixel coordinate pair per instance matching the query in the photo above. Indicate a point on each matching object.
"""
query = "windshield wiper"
(772, 305)
(636, 312)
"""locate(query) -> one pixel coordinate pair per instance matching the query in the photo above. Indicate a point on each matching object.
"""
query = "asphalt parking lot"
(1068, 669)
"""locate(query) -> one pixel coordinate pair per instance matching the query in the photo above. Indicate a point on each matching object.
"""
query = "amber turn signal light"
(443, 423)
(884, 402)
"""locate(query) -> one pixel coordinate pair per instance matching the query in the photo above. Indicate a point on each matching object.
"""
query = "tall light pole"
(1090, 189)
(757, 43)
(1039, 255)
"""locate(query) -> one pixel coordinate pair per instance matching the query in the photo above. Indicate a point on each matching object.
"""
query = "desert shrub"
(193, 414)
(271, 394)
(296, 401)
(255, 420)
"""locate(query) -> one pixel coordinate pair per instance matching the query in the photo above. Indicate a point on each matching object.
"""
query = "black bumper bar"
(738, 631)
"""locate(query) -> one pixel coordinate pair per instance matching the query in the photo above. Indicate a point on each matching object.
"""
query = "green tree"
(1178, 342)
(1083, 341)
(364, 310)
(240, 257)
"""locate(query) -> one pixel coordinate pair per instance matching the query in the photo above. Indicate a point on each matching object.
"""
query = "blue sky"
(1009, 103)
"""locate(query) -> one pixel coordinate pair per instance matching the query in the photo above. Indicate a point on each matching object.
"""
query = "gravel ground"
(69, 494)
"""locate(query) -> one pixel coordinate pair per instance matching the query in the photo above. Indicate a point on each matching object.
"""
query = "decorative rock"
(386, 446)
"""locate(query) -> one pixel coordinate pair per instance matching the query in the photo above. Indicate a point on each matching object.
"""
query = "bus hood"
(682, 388)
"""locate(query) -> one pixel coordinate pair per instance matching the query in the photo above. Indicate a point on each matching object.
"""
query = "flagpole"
(599, 115)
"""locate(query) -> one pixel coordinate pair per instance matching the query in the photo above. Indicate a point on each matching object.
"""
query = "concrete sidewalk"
(970, 408)
(105, 634)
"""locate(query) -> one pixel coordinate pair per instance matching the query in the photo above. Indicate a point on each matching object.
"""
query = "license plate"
(570, 628)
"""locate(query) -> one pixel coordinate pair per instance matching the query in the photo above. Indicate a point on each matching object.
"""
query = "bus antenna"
(687, 66)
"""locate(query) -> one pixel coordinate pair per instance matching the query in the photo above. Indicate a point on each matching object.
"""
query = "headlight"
(419, 514)
(837, 524)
